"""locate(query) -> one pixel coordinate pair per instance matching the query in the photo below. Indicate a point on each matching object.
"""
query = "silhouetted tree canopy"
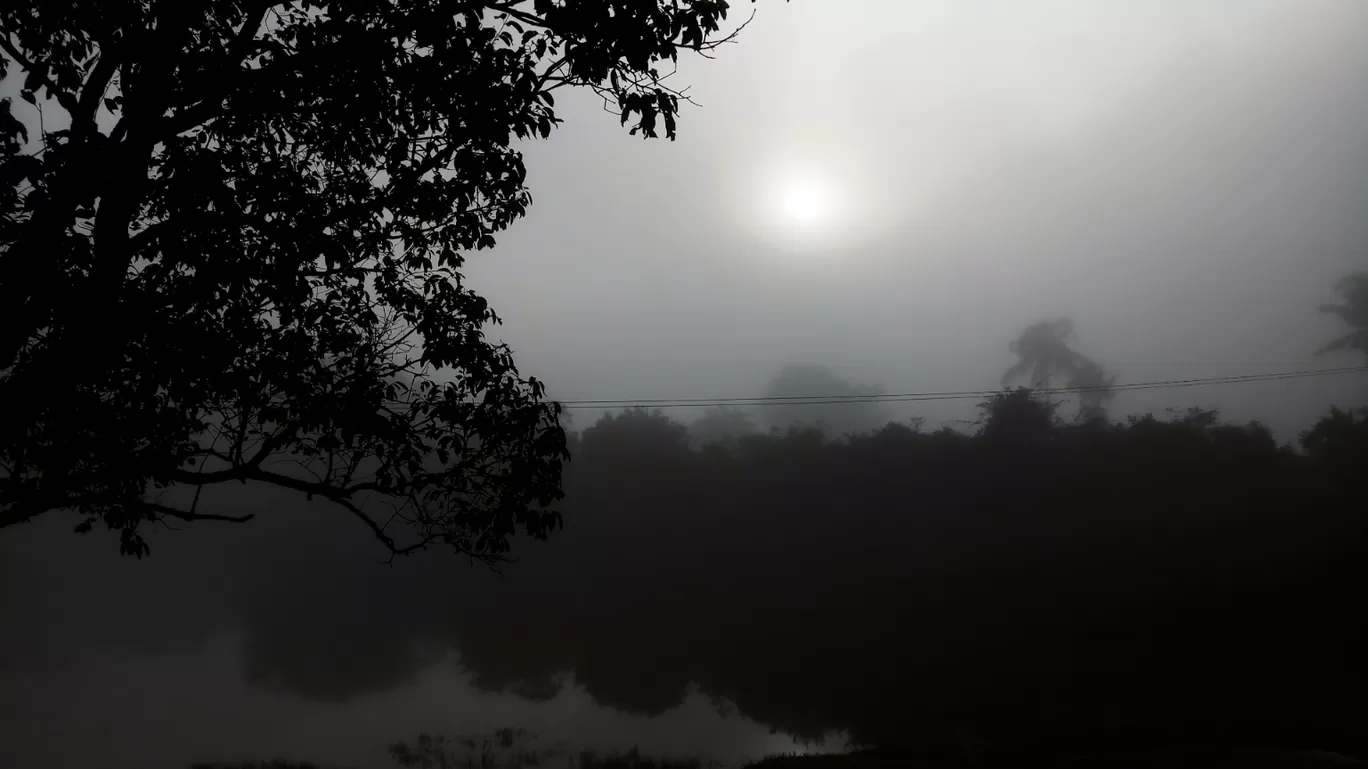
(721, 426)
(1036, 586)
(816, 397)
(240, 261)
(1354, 313)
(1047, 361)
(1339, 444)
(272, 764)
(506, 748)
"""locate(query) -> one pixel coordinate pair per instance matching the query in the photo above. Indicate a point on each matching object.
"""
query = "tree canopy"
(238, 260)
(1354, 313)
(1036, 586)
(815, 397)
(721, 426)
(1047, 360)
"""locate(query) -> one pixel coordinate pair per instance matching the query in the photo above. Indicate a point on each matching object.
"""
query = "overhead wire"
(804, 400)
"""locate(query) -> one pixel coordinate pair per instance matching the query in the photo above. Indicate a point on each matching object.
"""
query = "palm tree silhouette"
(1354, 311)
(1046, 359)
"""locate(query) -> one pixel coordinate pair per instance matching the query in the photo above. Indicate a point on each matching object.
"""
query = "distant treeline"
(1033, 585)
(506, 748)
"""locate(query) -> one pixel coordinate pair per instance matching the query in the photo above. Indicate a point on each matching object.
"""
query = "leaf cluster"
(241, 260)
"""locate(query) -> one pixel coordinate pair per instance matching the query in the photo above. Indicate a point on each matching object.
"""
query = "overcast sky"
(893, 188)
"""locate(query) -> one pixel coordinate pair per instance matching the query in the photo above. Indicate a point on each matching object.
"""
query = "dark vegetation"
(240, 260)
(517, 749)
(1191, 758)
(1175, 591)
(1032, 587)
(505, 748)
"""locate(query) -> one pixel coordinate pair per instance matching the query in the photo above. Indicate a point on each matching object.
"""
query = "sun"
(805, 202)
(801, 206)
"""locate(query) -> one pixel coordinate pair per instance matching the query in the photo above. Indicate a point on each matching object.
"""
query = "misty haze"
(669, 385)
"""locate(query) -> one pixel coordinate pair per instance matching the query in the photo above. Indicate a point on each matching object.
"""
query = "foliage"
(240, 261)
(1017, 419)
(505, 748)
(1045, 358)
(1354, 312)
(721, 426)
(274, 764)
(1338, 443)
(1034, 586)
(510, 748)
(615, 432)
(808, 392)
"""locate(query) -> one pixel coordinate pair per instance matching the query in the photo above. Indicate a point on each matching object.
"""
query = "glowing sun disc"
(805, 203)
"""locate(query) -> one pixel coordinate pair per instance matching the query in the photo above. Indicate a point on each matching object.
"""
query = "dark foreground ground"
(420, 757)
(1190, 758)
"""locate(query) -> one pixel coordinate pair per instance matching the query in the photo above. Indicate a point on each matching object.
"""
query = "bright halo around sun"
(808, 201)
(805, 202)
(805, 211)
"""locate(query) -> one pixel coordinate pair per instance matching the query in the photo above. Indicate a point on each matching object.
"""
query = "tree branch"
(193, 516)
(28, 66)
(83, 119)
(247, 33)
(341, 498)
(529, 19)
(209, 107)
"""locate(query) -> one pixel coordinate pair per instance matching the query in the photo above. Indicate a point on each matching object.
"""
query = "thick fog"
(1185, 182)
(890, 190)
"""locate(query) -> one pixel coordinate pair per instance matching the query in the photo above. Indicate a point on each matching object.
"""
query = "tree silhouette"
(1046, 360)
(721, 426)
(279, 763)
(505, 748)
(241, 260)
(1033, 587)
(1339, 444)
(1354, 312)
(813, 396)
(1016, 419)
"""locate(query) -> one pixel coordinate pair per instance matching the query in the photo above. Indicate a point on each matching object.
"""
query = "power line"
(805, 400)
